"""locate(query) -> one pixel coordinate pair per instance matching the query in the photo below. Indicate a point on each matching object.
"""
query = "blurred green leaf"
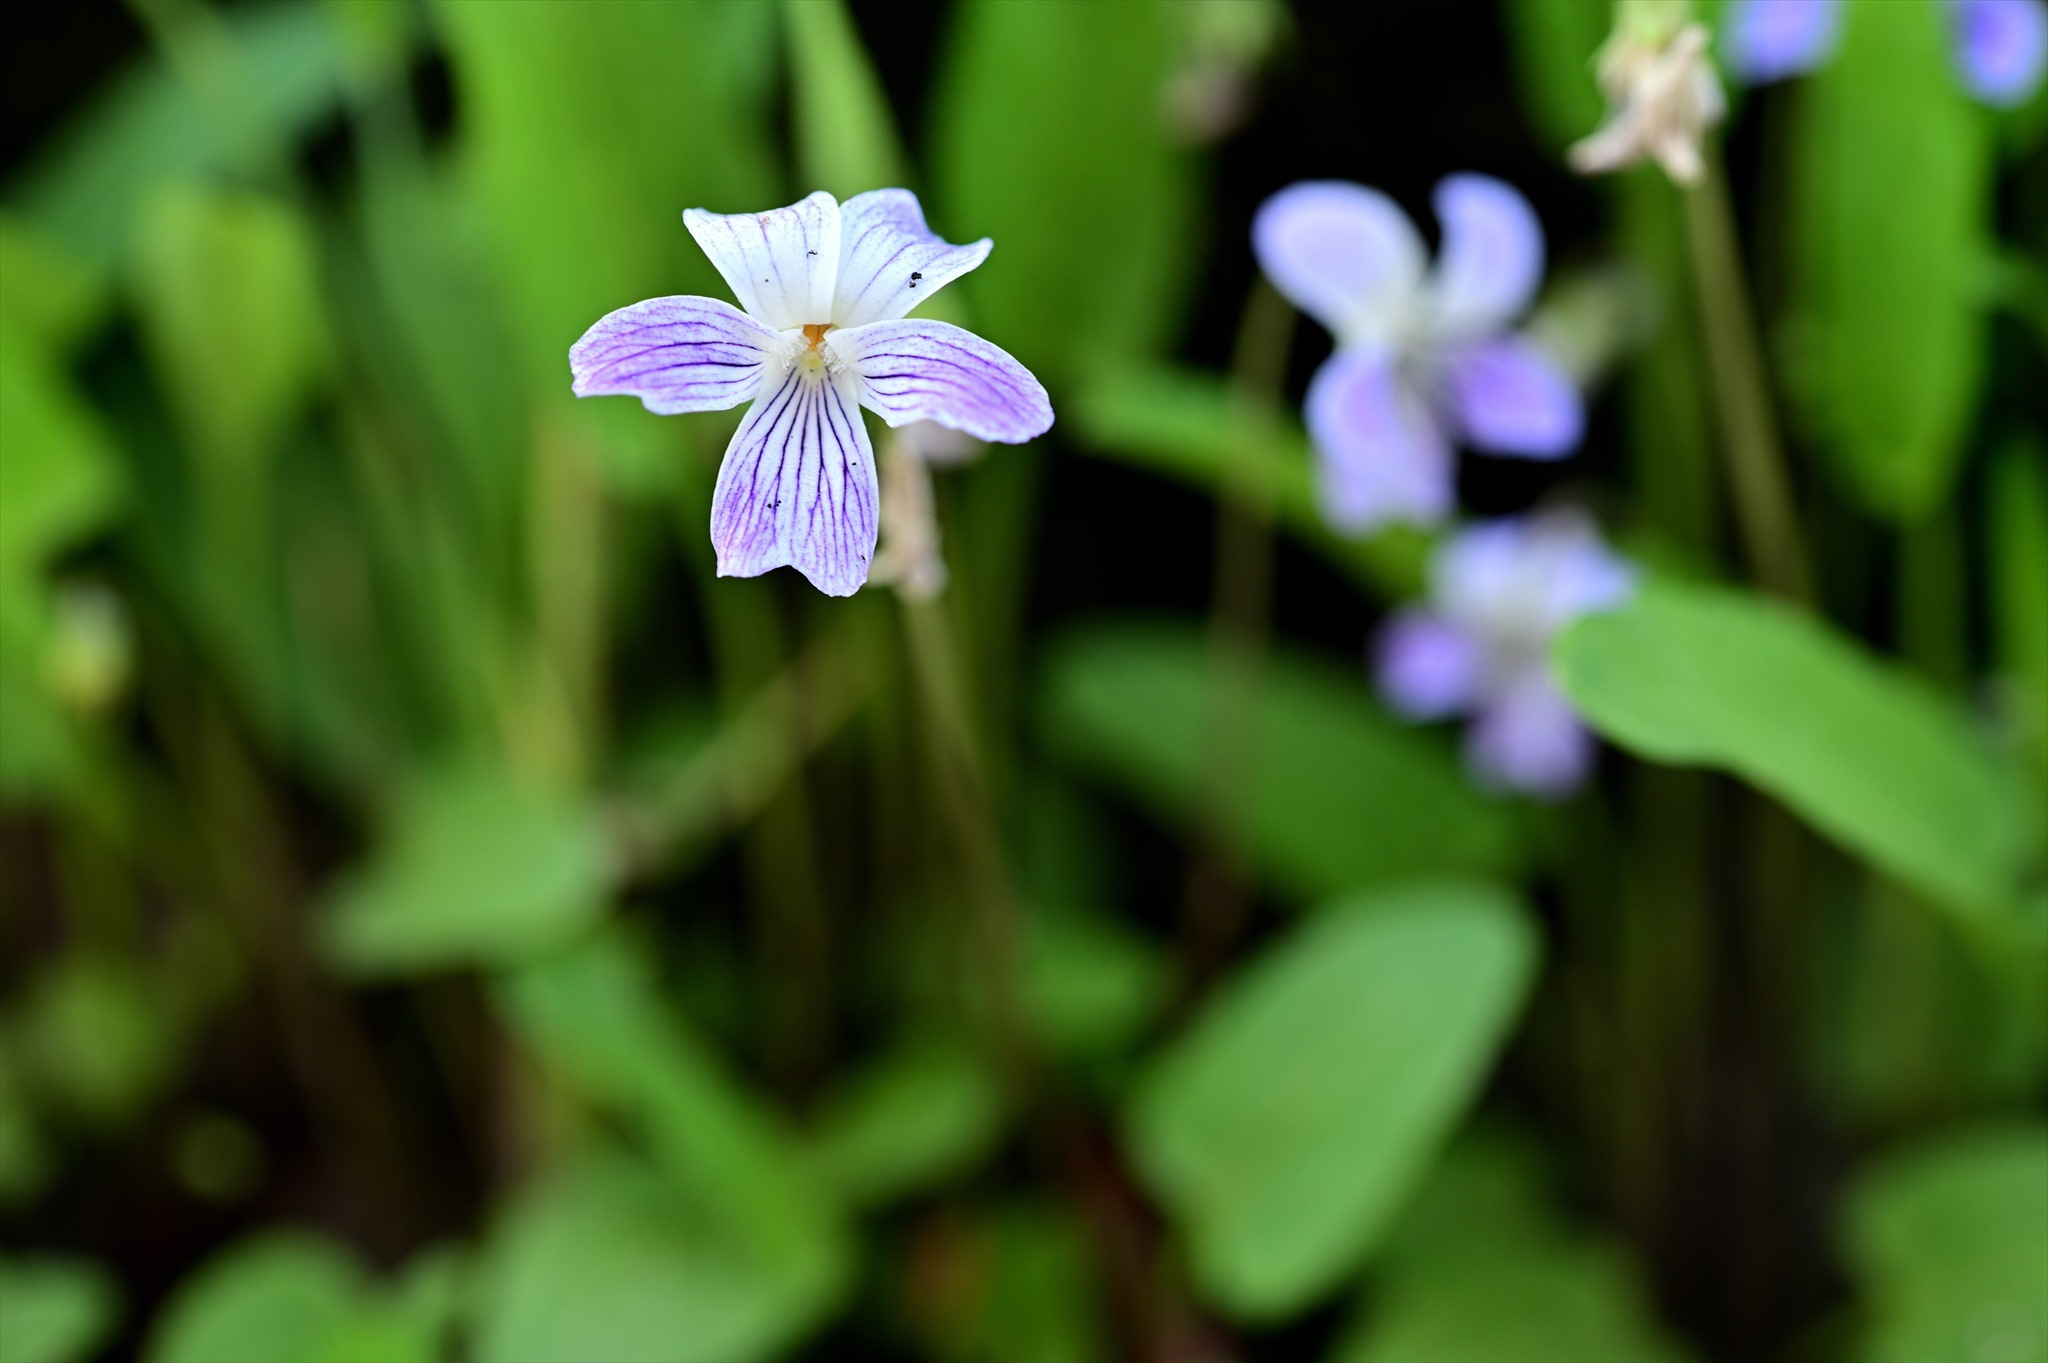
(1344, 795)
(2016, 514)
(46, 287)
(923, 1115)
(845, 134)
(24, 1159)
(288, 1297)
(60, 480)
(1554, 43)
(475, 867)
(1890, 198)
(1050, 136)
(1703, 676)
(54, 1309)
(1284, 1128)
(771, 1239)
(1012, 1284)
(1092, 985)
(95, 1040)
(1949, 1242)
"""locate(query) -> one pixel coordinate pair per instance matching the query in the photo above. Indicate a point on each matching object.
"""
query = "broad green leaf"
(922, 1116)
(289, 1297)
(54, 1309)
(1344, 795)
(59, 481)
(2016, 512)
(1949, 1244)
(1708, 677)
(772, 1238)
(46, 286)
(1050, 136)
(1891, 196)
(1283, 1129)
(474, 868)
(1022, 1287)
(1092, 985)
(227, 284)
(845, 135)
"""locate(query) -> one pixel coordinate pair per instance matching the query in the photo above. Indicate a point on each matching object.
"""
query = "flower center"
(814, 333)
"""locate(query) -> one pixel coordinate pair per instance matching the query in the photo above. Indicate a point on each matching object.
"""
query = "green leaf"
(1949, 1243)
(95, 1040)
(1344, 795)
(1708, 677)
(1050, 137)
(1891, 195)
(775, 1243)
(1554, 43)
(1282, 1131)
(1092, 985)
(61, 482)
(2016, 512)
(475, 868)
(289, 1297)
(46, 286)
(845, 135)
(921, 1117)
(54, 1309)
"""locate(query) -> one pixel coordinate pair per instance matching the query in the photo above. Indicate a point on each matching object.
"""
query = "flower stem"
(1754, 458)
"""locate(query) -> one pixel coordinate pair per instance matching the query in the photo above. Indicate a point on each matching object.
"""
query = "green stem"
(1754, 458)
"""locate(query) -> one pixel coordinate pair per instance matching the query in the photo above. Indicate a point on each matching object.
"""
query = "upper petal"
(682, 354)
(1767, 40)
(889, 261)
(1383, 457)
(1344, 254)
(915, 369)
(1518, 580)
(1511, 398)
(798, 485)
(2001, 47)
(1492, 256)
(781, 264)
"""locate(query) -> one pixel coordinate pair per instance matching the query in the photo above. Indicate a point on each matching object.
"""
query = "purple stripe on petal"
(918, 370)
(781, 264)
(798, 486)
(1427, 666)
(1492, 256)
(682, 354)
(1382, 456)
(2001, 47)
(889, 260)
(1528, 739)
(1767, 40)
(1510, 398)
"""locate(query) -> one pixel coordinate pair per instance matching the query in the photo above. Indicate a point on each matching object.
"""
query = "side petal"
(1383, 457)
(913, 369)
(1529, 739)
(1510, 398)
(1767, 40)
(781, 264)
(889, 261)
(682, 354)
(798, 486)
(2001, 47)
(1492, 256)
(1427, 666)
(1344, 254)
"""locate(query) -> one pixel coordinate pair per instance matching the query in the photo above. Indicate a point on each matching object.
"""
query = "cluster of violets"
(2000, 46)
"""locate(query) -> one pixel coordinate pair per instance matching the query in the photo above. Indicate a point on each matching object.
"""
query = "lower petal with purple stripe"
(921, 370)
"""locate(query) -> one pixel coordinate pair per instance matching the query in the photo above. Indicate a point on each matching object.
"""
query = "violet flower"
(2001, 46)
(1423, 356)
(825, 287)
(1499, 592)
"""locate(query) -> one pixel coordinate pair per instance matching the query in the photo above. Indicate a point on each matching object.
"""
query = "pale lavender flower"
(2000, 46)
(1423, 357)
(825, 288)
(1499, 592)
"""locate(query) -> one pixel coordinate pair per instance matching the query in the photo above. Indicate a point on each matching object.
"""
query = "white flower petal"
(889, 260)
(914, 369)
(1344, 254)
(682, 354)
(1492, 256)
(781, 264)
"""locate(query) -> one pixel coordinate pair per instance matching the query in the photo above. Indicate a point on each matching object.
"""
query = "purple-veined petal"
(781, 264)
(2001, 47)
(798, 484)
(1516, 581)
(1344, 254)
(1511, 398)
(915, 369)
(1428, 667)
(1492, 255)
(1767, 40)
(889, 261)
(1383, 457)
(681, 354)
(1527, 738)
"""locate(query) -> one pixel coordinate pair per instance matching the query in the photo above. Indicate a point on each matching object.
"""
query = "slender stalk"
(1217, 898)
(1754, 459)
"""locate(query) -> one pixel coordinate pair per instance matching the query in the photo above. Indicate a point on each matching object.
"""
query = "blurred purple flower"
(1422, 356)
(1499, 592)
(2001, 46)
(825, 288)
